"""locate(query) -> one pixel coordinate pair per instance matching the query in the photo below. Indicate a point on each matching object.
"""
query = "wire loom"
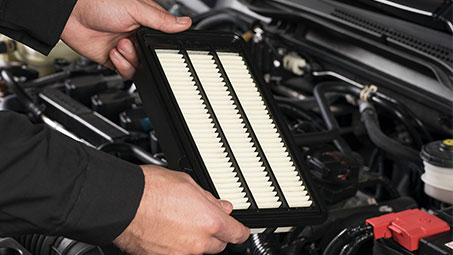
(217, 121)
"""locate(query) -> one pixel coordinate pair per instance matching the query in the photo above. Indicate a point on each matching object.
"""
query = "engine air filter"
(216, 120)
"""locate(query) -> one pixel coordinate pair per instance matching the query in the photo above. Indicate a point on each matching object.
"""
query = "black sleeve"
(53, 185)
(36, 23)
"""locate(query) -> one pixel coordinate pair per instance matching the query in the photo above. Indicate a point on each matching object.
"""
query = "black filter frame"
(174, 135)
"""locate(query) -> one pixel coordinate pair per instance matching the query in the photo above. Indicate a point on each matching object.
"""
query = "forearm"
(36, 23)
(51, 184)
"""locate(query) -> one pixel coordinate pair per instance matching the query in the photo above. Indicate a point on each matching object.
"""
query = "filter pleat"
(234, 128)
(265, 130)
(202, 128)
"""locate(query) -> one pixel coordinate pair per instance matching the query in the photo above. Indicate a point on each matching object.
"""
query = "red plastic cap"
(407, 227)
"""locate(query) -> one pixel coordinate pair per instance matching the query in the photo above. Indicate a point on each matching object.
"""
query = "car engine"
(373, 122)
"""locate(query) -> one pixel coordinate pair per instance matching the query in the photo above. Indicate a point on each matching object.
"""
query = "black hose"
(403, 117)
(345, 237)
(132, 150)
(397, 109)
(337, 243)
(319, 92)
(345, 249)
(354, 247)
(23, 97)
(382, 141)
(262, 244)
(406, 112)
(49, 245)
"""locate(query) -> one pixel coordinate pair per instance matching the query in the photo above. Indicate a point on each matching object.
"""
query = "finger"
(161, 20)
(232, 231)
(226, 206)
(215, 246)
(127, 49)
(125, 68)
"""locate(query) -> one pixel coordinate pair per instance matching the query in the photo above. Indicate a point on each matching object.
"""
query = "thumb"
(159, 19)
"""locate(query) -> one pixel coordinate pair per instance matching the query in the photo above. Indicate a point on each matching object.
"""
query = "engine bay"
(373, 124)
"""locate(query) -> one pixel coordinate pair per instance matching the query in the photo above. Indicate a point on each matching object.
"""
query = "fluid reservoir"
(438, 177)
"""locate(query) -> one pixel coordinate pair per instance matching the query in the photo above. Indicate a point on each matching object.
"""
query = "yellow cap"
(448, 142)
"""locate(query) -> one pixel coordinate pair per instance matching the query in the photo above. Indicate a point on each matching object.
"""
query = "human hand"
(100, 30)
(176, 216)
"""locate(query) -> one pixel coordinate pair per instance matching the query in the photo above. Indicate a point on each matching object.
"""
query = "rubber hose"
(263, 245)
(48, 245)
(343, 238)
(403, 117)
(382, 141)
(319, 92)
(359, 241)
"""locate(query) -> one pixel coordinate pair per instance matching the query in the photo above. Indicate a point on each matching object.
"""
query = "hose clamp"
(367, 91)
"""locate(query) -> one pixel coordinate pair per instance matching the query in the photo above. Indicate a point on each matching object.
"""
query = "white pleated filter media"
(232, 124)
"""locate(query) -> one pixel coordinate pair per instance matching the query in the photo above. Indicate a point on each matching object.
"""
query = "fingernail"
(182, 20)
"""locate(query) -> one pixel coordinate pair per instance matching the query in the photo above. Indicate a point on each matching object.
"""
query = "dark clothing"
(49, 183)
(36, 23)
